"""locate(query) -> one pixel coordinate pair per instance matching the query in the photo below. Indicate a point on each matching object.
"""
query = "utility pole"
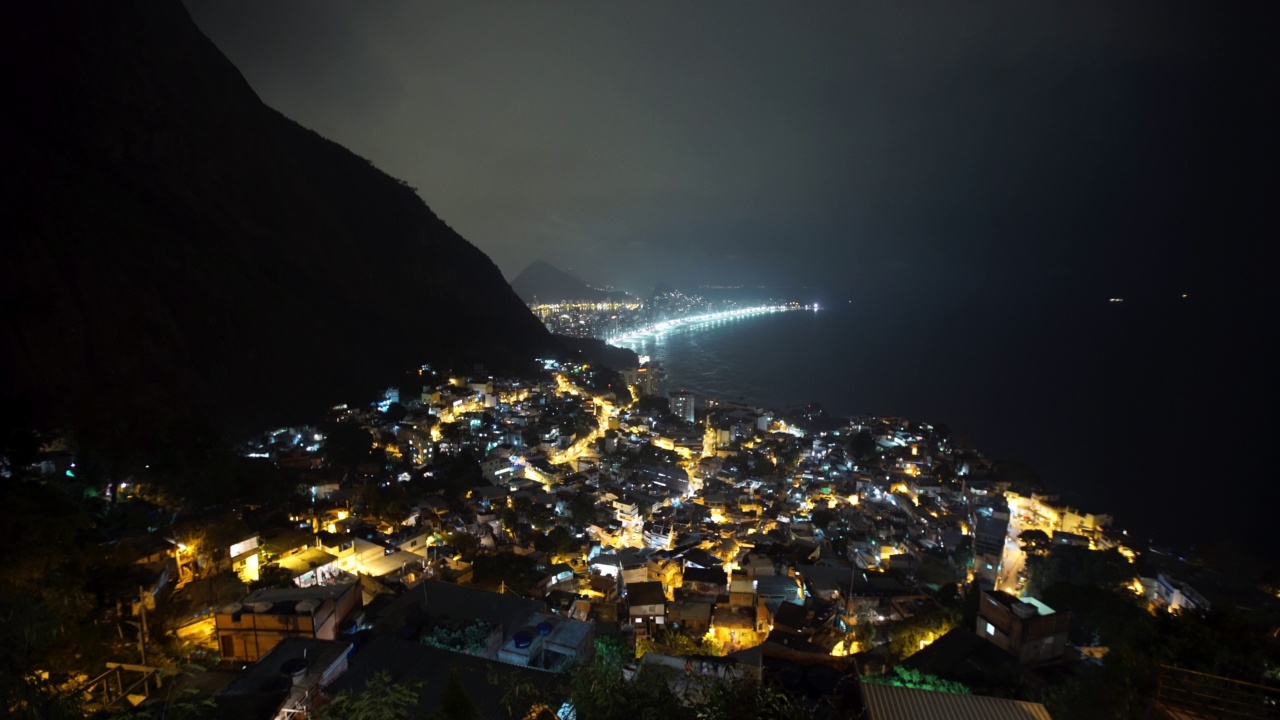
(142, 629)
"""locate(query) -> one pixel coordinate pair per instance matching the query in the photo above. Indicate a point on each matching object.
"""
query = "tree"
(747, 699)
(455, 432)
(464, 542)
(27, 636)
(936, 572)
(44, 602)
(456, 475)
(1034, 542)
(272, 576)
(455, 704)
(390, 504)
(582, 508)
(672, 642)
(508, 517)
(381, 699)
(558, 541)
(209, 538)
(906, 636)
(599, 691)
(1077, 566)
(395, 412)
(941, 431)
(539, 515)
(864, 630)
(944, 472)
(516, 571)
(470, 638)
(346, 445)
(863, 446)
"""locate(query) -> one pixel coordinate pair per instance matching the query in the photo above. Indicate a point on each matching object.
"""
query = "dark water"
(1152, 411)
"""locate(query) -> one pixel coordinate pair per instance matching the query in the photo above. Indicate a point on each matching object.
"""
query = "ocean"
(1148, 409)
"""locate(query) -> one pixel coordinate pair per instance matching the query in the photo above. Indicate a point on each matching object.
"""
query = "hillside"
(547, 283)
(175, 248)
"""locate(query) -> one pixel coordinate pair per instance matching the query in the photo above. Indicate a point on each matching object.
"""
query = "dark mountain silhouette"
(547, 283)
(177, 249)
(597, 352)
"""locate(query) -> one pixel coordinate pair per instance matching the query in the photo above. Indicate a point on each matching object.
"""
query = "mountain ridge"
(544, 282)
(180, 248)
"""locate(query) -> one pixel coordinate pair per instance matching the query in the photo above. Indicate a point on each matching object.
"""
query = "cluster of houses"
(772, 538)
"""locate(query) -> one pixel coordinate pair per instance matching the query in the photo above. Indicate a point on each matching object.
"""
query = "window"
(991, 629)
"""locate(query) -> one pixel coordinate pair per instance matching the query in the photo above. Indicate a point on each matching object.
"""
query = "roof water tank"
(295, 669)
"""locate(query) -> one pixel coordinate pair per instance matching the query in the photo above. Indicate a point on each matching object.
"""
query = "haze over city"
(835, 145)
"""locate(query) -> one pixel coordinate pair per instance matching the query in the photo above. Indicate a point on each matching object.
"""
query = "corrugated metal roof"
(887, 702)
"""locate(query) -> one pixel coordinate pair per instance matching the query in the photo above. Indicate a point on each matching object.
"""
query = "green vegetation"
(1225, 642)
(671, 642)
(937, 572)
(468, 639)
(517, 571)
(863, 446)
(558, 541)
(599, 691)
(455, 475)
(906, 637)
(346, 445)
(381, 699)
(1076, 566)
(1034, 542)
(455, 704)
(906, 677)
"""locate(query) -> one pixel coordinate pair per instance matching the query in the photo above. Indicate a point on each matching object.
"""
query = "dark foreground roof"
(447, 601)
(888, 702)
(962, 655)
(405, 661)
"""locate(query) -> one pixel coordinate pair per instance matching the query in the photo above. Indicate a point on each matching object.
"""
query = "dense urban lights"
(666, 326)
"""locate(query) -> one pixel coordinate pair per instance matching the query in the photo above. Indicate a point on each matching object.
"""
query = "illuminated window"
(991, 629)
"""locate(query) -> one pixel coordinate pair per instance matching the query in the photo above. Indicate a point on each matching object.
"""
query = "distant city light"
(661, 328)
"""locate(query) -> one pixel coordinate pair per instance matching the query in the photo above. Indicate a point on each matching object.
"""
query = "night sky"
(1117, 148)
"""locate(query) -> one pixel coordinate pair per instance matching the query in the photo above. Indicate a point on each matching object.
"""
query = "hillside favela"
(280, 444)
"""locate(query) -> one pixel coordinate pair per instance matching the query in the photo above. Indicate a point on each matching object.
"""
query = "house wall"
(247, 636)
(1032, 639)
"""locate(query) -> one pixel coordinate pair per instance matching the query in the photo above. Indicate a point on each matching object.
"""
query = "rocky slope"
(176, 247)
(547, 283)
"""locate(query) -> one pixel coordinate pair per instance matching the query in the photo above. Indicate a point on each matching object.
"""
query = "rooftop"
(888, 702)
